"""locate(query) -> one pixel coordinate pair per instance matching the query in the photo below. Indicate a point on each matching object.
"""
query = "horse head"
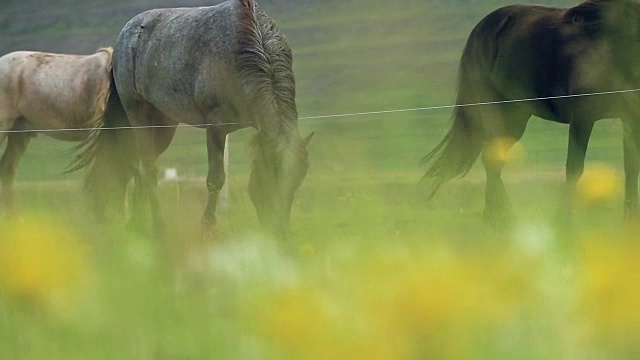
(618, 21)
(275, 177)
(603, 39)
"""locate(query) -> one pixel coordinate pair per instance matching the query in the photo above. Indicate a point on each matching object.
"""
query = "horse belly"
(54, 114)
(56, 125)
(69, 135)
(180, 112)
(51, 115)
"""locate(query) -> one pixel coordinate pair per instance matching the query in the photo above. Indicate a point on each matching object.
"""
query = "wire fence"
(386, 140)
(345, 115)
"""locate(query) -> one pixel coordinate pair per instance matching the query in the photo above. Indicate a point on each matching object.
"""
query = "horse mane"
(264, 61)
(108, 50)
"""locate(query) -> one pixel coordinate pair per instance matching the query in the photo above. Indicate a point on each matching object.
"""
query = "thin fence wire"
(355, 114)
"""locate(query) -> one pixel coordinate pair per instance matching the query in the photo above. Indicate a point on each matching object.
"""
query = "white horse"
(56, 94)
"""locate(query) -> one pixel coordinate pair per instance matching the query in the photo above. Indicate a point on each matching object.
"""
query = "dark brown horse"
(549, 54)
(223, 68)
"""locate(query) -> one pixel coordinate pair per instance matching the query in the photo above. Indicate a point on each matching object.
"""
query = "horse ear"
(307, 139)
(577, 19)
(603, 15)
(591, 12)
(581, 15)
(248, 3)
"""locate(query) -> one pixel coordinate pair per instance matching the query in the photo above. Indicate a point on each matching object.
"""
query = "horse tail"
(457, 152)
(109, 153)
(264, 61)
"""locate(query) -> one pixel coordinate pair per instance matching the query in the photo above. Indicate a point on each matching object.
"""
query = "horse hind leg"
(151, 141)
(15, 149)
(504, 129)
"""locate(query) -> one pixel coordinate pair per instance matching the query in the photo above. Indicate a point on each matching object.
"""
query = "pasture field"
(373, 270)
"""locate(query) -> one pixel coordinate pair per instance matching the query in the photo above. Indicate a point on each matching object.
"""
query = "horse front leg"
(151, 172)
(579, 135)
(216, 140)
(631, 143)
(16, 147)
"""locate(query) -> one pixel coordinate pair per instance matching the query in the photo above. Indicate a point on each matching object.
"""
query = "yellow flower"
(303, 322)
(41, 261)
(414, 297)
(295, 318)
(599, 184)
(504, 149)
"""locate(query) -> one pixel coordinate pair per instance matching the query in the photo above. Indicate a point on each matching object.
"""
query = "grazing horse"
(551, 55)
(48, 93)
(223, 68)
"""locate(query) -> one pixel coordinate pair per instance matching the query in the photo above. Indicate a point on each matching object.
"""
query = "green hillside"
(350, 57)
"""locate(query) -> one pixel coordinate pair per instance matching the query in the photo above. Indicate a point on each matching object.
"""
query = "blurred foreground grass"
(372, 272)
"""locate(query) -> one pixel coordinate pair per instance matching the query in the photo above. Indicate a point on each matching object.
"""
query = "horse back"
(55, 91)
(179, 60)
(516, 44)
(189, 63)
(521, 52)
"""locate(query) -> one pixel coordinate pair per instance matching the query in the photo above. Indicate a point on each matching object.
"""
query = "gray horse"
(44, 92)
(551, 54)
(222, 67)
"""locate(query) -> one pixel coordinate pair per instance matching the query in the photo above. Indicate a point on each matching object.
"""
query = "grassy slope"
(349, 57)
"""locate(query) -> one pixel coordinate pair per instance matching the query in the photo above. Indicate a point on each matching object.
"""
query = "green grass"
(353, 235)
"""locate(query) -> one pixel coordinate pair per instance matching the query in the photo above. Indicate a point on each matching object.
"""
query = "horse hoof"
(499, 220)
